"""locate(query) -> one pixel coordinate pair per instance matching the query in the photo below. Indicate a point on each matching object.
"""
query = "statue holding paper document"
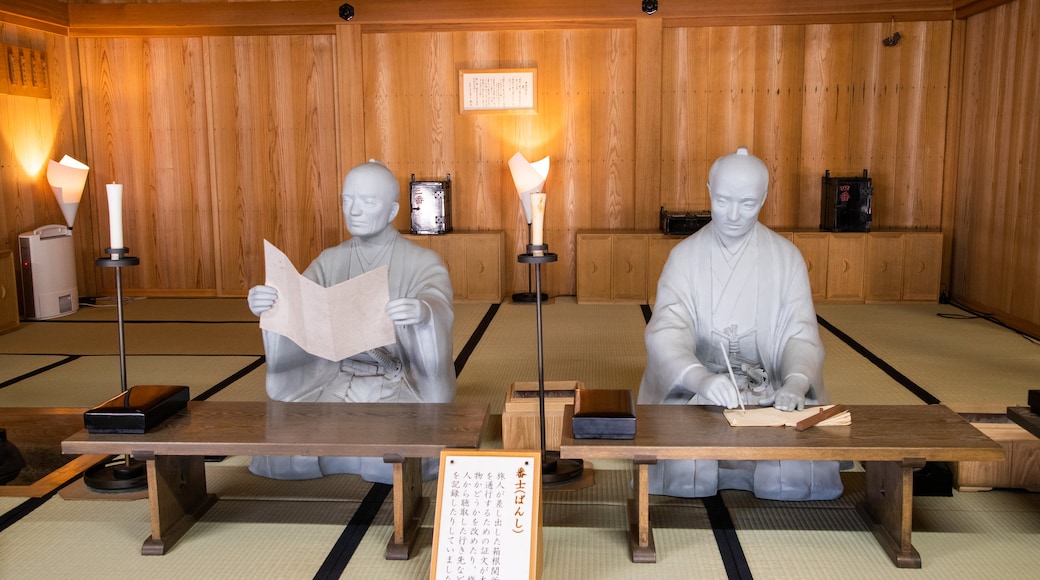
(734, 325)
(415, 365)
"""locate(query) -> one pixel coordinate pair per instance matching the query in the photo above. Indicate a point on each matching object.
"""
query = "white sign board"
(489, 516)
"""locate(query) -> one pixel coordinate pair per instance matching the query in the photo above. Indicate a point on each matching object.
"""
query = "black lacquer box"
(604, 414)
(137, 410)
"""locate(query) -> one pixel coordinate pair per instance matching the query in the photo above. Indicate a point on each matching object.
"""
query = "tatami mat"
(959, 360)
(166, 309)
(85, 338)
(263, 528)
(13, 366)
(91, 380)
(600, 345)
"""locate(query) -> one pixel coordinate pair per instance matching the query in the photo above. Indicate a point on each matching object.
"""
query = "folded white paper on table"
(773, 417)
(335, 322)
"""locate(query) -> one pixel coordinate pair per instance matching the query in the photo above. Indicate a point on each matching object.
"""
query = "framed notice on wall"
(489, 515)
(497, 90)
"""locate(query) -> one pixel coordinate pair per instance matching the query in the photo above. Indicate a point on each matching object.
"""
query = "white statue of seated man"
(418, 367)
(736, 285)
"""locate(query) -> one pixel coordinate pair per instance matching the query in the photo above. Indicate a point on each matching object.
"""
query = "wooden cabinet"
(612, 267)
(628, 268)
(624, 266)
(594, 265)
(922, 266)
(845, 264)
(903, 266)
(474, 262)
(815, 247)
(884, 267)
(659, 246)
(8, 292)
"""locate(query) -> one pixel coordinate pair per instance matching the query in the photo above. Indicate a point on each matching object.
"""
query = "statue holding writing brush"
(417, 367)
(734, 325)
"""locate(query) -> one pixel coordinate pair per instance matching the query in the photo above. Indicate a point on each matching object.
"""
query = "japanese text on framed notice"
(497, 90)
(489, 516)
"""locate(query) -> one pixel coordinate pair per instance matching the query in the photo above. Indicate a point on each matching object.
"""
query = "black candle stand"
(125, 474)
(554, 469)
(529, 297)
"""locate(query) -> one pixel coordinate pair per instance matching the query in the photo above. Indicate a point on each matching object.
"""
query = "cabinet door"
(922, 266)
(628, 268)
(884, 267)
(484, 267)
(845, 265)
(593, 268)
(814, 249)
(659, 247)
(452, 249)
(8, 292)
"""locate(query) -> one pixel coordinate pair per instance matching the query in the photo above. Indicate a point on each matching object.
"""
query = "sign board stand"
(489, 515)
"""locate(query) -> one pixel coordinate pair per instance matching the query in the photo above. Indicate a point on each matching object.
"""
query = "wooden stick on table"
(824, 414)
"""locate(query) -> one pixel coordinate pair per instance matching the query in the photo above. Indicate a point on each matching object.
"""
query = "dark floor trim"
(352, 535)
(39, 371)
(889, 370)
(726, 538)
(25, 508)
(647, 312)
(471, 344)
(238, 375)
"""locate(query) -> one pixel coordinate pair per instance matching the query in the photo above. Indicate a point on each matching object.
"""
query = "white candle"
(115, 216)
(537, 217)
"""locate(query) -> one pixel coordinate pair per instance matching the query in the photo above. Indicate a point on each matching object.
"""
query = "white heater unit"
(48, 273)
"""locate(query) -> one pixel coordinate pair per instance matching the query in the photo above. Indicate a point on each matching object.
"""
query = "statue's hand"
(406, 311)
(718, 390)
(791, 396)
(261, 299)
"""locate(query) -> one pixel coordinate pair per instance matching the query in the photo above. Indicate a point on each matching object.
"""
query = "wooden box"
(520, 420)
(1020, 469)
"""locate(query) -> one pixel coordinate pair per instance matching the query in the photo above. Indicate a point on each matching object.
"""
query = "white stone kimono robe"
(759, 304)
(424, 350)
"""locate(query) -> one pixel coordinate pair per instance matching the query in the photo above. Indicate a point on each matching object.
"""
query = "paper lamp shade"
(528, 178)
(67, 179)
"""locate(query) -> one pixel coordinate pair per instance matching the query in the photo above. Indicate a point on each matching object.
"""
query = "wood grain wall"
(225, 137)
(996, 249)
(33, 131)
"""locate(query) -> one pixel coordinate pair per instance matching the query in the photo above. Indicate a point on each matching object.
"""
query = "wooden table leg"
(640, 533)
(888, 508)
(177, 498)
(409, 506)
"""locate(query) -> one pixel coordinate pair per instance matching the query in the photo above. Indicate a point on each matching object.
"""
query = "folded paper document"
(773, 417)
(335, 322)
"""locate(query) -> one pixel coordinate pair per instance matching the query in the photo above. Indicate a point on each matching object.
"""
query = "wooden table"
(401, 434)
(890, 440)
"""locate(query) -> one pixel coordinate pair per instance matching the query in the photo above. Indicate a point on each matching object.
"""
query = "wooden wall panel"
(996, 250)
(144, 105)
(275, 163)
(584, 122)
(806, 99)
(32, 131)
(229, 139)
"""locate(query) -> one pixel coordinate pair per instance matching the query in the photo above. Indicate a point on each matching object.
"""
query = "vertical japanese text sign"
(489, 516)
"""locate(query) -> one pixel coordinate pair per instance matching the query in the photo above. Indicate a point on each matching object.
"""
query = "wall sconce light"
(346, 12)
(649, 6)
(67, 179)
